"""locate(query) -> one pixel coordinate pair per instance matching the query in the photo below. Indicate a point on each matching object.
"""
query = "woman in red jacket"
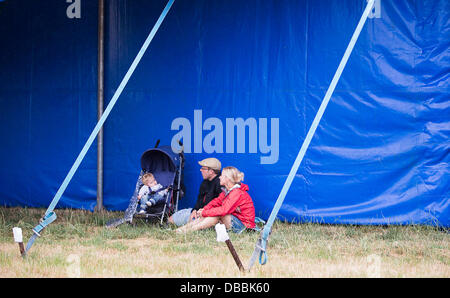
(233, 207)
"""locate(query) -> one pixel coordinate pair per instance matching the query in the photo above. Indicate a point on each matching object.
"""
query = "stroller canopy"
(162, 162)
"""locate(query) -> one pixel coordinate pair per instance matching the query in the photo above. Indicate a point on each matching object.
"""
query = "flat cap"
(212, 163)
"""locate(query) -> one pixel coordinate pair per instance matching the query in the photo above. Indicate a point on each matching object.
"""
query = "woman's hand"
(199, 212)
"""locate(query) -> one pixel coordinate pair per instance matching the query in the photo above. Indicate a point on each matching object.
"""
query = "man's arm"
(213, 192)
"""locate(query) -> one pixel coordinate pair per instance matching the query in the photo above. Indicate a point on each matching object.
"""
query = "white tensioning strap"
(260, 247)
(49, 214)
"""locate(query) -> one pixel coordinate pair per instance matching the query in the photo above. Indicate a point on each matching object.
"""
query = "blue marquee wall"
(379, 156)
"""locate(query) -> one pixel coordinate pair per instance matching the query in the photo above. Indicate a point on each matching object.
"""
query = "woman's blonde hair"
(233, 174)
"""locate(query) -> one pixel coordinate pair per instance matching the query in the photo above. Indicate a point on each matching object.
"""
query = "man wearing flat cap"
(209, 189)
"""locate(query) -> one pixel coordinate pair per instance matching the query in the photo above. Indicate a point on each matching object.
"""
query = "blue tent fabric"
(240, 81)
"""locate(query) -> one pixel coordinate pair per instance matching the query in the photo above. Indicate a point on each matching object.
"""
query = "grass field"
(78, 245)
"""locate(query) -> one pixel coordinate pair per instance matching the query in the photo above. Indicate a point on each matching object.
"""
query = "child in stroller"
(166, 167)
(150, 193)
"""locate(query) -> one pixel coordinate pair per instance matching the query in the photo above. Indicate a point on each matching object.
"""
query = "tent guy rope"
(50, 216)
(261, 244)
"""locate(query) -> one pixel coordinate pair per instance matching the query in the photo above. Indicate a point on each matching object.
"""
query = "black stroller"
(167, 168)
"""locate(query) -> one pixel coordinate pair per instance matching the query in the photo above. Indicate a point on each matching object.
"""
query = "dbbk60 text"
(243, 287)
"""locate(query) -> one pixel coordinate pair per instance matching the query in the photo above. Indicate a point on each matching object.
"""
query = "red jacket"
(238, 203)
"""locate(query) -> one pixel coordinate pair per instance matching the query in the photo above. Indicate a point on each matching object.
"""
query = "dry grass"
(78, 245)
